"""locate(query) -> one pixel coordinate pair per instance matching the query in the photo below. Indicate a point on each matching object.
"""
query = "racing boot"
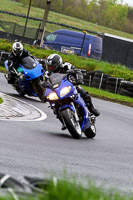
(63, 127)
(42, 96)
(90, 106)
(10, 78)
(40, 89)
(40, 93)
(93, 110)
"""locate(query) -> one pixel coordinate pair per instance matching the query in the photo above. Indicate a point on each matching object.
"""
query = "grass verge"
(108, 96)
(69, 191)
(1, 100)
(64, 190)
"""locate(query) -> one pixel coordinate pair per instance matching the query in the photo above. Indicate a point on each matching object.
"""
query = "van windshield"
(51, 37)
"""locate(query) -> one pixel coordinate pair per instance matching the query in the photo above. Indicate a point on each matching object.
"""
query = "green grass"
(53, 16)
(108, 95)
(64, 190)
(1, 100)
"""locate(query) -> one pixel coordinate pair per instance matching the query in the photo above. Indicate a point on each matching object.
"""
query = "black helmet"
(54, 63)
(17, 49)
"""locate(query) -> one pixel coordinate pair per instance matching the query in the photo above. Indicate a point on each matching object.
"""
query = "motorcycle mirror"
(70, 71)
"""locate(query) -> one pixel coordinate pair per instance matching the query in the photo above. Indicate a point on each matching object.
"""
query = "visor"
(51, 68)
(18, 52)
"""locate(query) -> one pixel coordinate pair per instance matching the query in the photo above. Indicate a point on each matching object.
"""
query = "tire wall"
(99, 80)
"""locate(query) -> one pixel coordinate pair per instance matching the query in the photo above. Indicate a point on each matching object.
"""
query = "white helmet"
(17, 49)
(54, 63)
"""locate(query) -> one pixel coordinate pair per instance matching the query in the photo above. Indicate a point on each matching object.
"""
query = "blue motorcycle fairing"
(32, 73)
(29, 73)
(64, 83)
(86, 122)
(6, 65)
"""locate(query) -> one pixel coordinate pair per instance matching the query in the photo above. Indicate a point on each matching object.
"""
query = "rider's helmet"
(17, 49)
(54, 63)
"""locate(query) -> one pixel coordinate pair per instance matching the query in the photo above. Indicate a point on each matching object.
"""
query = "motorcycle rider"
(55, 64)
(18, 53)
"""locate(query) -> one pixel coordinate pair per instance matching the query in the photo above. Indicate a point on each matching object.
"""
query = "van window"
(51, 37)
(97, 41)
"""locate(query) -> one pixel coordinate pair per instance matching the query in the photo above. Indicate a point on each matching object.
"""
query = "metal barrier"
(13, 28)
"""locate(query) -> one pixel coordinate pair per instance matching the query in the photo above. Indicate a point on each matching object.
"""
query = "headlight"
(65, 91)
(52, 96)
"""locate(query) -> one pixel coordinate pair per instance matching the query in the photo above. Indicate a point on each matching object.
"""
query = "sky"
(129, 2)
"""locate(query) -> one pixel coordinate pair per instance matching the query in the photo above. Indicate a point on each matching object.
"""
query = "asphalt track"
(42, 149)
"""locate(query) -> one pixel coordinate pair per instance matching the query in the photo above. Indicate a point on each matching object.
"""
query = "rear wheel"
(91, 131)
(72, 125)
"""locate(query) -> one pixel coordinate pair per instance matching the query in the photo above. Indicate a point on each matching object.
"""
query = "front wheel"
(72, 125)
(20, 93)
(90, 132)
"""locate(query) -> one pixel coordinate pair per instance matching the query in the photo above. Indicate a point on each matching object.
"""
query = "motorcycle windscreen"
(56, 78)
(28, 63)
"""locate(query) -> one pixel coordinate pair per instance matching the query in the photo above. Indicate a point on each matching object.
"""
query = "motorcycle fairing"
(29, 73)
(32, 73)
(61, 82)
(28, 62)
(86, 122)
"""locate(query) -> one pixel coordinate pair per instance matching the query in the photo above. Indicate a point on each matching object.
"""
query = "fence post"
(37, 32)
(41, 36)
(26, 19)
(83, 42)
(14, 28)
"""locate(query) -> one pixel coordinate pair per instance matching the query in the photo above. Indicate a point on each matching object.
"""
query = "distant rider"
(55, 64)
(17, 54)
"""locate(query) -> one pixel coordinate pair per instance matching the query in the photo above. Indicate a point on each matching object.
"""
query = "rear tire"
(71, 124)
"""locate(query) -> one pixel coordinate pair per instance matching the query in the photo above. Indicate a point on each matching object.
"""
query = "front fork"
(92, 119)
(58, 112)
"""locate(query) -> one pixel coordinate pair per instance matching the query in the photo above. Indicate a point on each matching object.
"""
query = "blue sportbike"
(28, 77)
(69, 107)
